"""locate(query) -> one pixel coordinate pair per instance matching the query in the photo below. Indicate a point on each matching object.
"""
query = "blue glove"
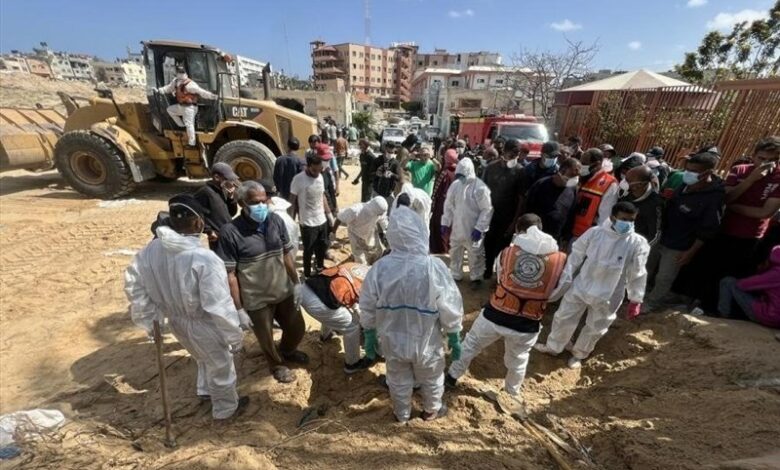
(453, 340)
(370, 343)
(476, 235)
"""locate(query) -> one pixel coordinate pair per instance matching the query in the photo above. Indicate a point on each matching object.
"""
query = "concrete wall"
(318, 104)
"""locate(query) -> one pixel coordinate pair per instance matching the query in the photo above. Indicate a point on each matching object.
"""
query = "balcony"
(326, 58)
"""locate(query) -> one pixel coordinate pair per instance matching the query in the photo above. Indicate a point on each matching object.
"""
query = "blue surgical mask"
(690, 177)
(460, 177)
(549, 162)
(258, 212)
(623, 226)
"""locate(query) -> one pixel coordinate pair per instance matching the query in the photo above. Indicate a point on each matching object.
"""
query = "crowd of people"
(587, 228)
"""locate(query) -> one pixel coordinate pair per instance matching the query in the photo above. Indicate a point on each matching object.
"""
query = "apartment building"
(134, 74)
(14, 63)
(38, 67)
(385, 74)
(248, 67)
(440, 58)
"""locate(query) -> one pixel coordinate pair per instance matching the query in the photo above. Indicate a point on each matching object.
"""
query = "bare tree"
(539, 74)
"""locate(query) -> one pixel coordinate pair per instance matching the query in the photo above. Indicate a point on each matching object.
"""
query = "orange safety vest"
(345, 282)
(588, 201)
(183, 96)
(526, 282)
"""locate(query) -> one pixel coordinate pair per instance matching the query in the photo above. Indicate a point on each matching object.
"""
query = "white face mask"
(181, 76)
(511, 163)
(572, 182)
(624, 186)
(584, 171)
(606, 165)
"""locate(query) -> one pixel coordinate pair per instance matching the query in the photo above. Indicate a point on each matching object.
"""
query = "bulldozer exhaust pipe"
(267, 81)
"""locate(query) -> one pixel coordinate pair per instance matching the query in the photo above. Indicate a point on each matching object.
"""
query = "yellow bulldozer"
(105, 149)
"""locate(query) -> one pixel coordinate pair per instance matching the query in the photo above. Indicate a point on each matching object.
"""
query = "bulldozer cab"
(205, 65)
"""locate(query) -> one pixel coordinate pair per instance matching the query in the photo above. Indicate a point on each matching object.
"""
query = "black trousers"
(496, 239)
(315, 242)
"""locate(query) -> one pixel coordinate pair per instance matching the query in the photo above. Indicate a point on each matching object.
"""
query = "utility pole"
(367, 20)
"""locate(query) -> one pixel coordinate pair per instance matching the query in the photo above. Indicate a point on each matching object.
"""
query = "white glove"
(243, 320)
(559, 291)
(297, 295)
(236, 348)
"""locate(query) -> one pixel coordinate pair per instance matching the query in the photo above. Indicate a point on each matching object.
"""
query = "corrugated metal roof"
(637, 79)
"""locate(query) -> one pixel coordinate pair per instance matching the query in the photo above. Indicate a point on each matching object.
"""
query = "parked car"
(392, 134)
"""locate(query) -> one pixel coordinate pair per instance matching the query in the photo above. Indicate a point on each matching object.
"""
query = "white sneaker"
(543, 348)
(574, 363)
(697, 312)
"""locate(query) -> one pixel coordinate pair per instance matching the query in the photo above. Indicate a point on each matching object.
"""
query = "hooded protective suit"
(361, 220)
(420, 202)
(467, 208)
(410, 299)
(174, 277)
(279, 207)
(484, 332)
(604, 258)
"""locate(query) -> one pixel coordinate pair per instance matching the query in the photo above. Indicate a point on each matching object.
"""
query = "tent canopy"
(637, 79)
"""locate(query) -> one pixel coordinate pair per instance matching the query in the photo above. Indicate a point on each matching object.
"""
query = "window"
(361, 66)
(354, 78)
(499, 82)
(354, 53)
(419, 63)
(458, 58)
(455, 83)
(384, 69)
(354, 66)
(480, 80)
(384, 80)
(435, 62)
(470, 103)
(360, 55)
(373, 56)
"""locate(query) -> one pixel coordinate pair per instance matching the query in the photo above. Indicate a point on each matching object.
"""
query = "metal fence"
(733, 115)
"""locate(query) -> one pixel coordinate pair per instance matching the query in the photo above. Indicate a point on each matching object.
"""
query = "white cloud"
(634, 45)
(565, 25)
(461, 13)
(727, 20)
(696, 3)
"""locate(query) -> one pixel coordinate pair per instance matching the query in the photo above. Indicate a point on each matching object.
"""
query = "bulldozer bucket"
(28, 136)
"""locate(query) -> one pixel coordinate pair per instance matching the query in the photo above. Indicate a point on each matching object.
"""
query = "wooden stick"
(158, 342)
(550, 448)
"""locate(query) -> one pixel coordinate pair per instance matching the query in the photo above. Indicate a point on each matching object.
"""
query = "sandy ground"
(665, 392)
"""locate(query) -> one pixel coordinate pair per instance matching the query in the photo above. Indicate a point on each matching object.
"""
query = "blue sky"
(651, 34)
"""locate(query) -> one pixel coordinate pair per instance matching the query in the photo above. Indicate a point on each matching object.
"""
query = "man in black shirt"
(218, 201)
(553, 199)
(366, 174)
(504, 178)
(387, 174)
(638, 189)
(286, 167)
(546, 165)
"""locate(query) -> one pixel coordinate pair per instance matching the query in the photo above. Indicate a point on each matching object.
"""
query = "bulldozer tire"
(250, 159)
(93, 166)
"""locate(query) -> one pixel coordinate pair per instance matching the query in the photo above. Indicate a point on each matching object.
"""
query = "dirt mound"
(25, 91)
(664, 392)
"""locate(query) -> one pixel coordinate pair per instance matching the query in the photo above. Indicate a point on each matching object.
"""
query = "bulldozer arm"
(28, 136)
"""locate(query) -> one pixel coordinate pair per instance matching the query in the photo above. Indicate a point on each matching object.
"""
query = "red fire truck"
(482, 130)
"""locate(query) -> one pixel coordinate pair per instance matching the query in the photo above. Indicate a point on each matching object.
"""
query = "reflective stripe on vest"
(183, 96)
(588, 201)
(346, 280)
(526, 282)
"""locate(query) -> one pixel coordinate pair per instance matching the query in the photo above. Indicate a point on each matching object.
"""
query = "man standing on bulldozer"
(186, 92)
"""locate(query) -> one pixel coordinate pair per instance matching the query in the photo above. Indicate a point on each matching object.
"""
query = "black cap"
(551, 149)
(224, 170)
(656, 152)
(184, 205)
(512, 145)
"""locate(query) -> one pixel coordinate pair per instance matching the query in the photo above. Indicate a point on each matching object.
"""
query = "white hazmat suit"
(467, 207)
(279, 207)
(410, 299)
(175, 277)
(361, 220)
(420, 202)
(517, 345)
(605, 259)
(184, 115)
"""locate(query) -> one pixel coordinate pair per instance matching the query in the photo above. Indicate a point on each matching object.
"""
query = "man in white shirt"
(307, 196)
(186, 92)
